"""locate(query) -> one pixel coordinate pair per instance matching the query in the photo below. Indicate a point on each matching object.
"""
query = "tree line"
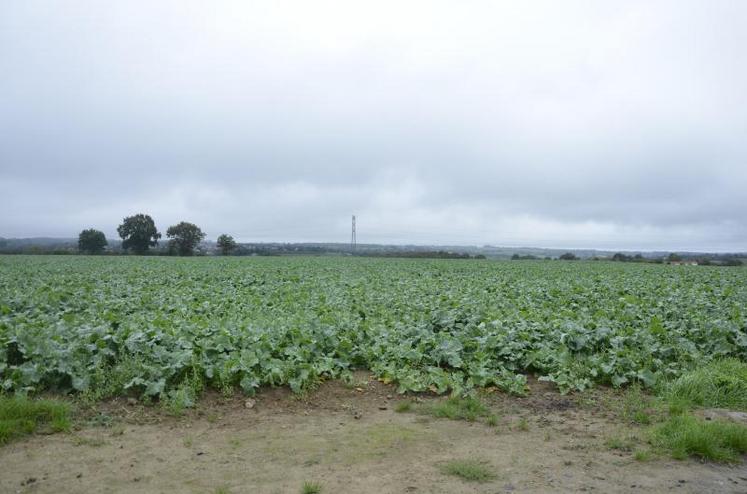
(139, 234)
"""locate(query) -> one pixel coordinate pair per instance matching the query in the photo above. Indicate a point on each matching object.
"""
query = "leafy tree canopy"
(184, 238)
(91, 241)
(138, 233)
(226, 244)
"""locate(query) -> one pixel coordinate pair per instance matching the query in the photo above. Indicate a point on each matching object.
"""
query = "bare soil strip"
(350, 440)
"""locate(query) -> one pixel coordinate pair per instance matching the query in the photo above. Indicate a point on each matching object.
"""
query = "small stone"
(382, 407)
(131, 401)
(357, 415)
(250, 403)
(79, 476)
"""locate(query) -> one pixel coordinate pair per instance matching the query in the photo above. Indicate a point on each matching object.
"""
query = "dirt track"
(283, 441)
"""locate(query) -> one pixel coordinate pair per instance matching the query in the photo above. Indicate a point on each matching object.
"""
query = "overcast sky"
(617, 125)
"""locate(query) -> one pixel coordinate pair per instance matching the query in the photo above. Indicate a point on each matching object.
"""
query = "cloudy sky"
(558, 124)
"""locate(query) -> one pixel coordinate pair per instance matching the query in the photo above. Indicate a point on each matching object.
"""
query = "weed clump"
(456, 408)
(642, 455)
(311, 488)
(637, 406)
(470, 470)
(619, 443)
(492, 420)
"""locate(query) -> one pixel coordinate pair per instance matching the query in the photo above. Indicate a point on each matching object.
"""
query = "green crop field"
(168, 327)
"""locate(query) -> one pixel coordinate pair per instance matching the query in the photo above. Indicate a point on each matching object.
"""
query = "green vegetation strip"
(166, 328)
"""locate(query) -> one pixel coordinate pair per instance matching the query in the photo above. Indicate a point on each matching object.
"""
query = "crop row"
(168, 327)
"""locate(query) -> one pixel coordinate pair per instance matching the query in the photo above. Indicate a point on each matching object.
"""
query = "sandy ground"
(350, 441)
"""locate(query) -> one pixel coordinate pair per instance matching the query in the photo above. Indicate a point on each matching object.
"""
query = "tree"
(568, 256)
(138, 233)
(184, 238)
(226, 244)
(91, 241)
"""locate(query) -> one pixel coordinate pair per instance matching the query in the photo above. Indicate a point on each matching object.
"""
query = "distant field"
(169, 327)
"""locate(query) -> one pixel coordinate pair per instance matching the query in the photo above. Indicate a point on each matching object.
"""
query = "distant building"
(686, 262)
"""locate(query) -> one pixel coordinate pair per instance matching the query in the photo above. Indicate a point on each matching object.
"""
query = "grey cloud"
(610, 125)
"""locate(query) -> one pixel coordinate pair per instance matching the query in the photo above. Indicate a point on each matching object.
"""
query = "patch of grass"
(222, 490)
(311, 488)
(684, 435)
(720, 384)
(456, 408)
(93, 442)
(523, 425)
(20, 416)
(677, 405)
(470, 470)
(642, 455)
(619, 444)
(637, 406)
(492, 420)
(188, 441)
